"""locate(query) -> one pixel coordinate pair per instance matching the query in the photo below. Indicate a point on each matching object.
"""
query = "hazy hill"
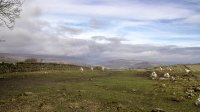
(11, 58)
(122, 63)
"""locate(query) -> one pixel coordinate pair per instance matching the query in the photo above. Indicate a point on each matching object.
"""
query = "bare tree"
(9, 11)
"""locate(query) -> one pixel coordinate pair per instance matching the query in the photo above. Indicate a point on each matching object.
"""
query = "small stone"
(13, 99)
(190, 93)
(173, 78)
(120, 106)
(163, 85)
(157, 110)
(162, 78)
(28, 93)
(58, 90)
(74, 105)
(133, 90)
(191, 90)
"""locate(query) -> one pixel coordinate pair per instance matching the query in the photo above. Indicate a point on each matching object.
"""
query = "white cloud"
(135, 11)
(46, 27)
(193, 19)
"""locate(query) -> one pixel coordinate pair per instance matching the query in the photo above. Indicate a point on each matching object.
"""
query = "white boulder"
(81, 69)
(92, 68)
(102, 68)
(187, 70)
(161, 68)
(166, 75)
(154, 75)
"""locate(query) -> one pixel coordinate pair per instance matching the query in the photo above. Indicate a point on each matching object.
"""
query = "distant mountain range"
(122, 63)
(116, 64)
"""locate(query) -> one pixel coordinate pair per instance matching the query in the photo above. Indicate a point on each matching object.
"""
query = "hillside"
(182, 67)
(122, 63)
(13, 58)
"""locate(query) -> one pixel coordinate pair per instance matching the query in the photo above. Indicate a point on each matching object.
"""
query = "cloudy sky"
(98, 30)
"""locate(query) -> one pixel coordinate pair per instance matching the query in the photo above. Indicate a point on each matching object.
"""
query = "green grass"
(97, 91)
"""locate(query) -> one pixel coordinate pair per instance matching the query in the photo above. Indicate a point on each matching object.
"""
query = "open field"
(95, 91)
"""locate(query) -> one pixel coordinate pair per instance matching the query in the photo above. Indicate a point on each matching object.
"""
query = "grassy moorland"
(97, 91)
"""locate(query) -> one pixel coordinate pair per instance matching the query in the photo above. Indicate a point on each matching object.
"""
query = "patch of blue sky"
(179, 28)
(77, 24)
(135, 28)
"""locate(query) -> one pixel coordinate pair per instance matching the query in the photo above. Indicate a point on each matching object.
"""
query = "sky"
(99, 30)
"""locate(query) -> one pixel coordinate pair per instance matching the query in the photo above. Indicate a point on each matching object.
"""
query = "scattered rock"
(190, 93)
(197, 89)
(133, 90)
(197, 102)
(47, 108)
(173, 78)
(166, 75)
(90, 79)
(58, 90)
(162, 78)
(163, 85)
(153, 75)
(190, 90)
(189, 79)
(13, 99)
(28, 93)
(74, 105)
(157, 110)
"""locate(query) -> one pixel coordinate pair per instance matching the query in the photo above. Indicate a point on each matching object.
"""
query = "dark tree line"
(9, 11)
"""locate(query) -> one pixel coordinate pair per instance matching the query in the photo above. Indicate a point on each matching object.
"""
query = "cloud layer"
(99, 30)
